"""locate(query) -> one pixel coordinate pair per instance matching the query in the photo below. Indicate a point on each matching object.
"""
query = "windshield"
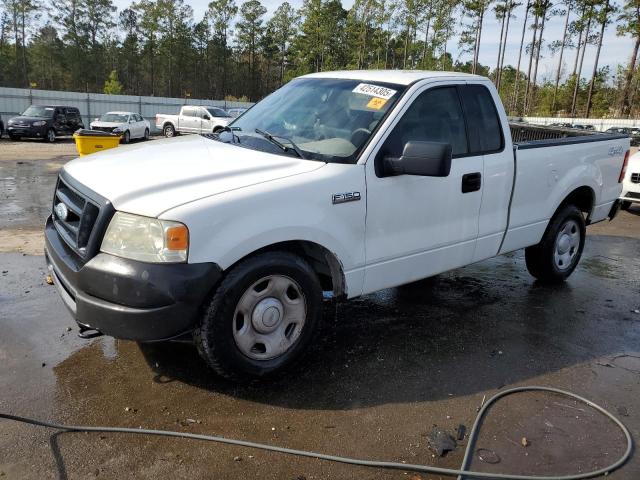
(114, 117)
(327, 119)
(42, 112)
(217, 112)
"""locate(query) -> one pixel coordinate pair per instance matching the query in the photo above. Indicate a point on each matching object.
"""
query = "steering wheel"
(359, 136)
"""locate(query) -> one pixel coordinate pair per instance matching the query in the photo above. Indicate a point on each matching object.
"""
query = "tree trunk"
(564, 41)
(497, 75)
(577, 84)
(575, 62)
(504, 47)
(531, 53)
(624, 101)
(514, 99)
(595, 64)
(478, 40)
(535, 68)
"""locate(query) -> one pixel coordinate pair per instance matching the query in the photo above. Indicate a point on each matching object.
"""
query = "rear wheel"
(264, 316)
(559, 251)
(169, 131)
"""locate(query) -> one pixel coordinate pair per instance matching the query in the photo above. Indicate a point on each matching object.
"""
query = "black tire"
(126, 136)
(15, 138)
(215, 336)
(169, 131)
(146, 134)
(625, 205)
(541, 259)
(51, 136)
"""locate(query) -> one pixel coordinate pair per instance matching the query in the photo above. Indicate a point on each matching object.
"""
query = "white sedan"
(128, 124)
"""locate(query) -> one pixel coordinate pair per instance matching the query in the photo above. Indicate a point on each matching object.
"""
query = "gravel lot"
(390, 367)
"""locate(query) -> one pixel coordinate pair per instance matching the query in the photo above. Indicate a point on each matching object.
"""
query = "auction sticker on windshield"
(374, 91)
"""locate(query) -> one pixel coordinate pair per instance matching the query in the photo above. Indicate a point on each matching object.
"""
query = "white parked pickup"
(631, 183)
(193, 119)
(336, 185)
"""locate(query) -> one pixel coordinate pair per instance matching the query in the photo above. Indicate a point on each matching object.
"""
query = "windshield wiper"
(273, 139)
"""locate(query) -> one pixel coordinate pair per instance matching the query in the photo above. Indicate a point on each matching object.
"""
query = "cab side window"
(435, 116)
(189, 112)
(485, 130)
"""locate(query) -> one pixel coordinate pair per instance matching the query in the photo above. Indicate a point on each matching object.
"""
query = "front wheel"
(126, 138)
(264, 316)
(558, 253)
(146, 134)
(51, 135)
(14, 138)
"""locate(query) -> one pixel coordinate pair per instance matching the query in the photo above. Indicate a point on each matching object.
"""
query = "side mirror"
(427, 159)
(206, 117)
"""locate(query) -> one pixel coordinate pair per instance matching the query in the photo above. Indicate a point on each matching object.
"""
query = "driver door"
(419, 226)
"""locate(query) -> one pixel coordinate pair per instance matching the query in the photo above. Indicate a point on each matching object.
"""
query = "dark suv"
(45, 121)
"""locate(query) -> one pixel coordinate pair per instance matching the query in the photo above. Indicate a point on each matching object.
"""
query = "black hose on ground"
(462, 473)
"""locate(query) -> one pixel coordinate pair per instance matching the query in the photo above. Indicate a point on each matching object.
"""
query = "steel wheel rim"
(269, 317)
(51, 136)
(567, 245)
(168, 132)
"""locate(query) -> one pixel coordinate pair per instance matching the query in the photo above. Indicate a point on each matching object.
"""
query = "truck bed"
(526, 135)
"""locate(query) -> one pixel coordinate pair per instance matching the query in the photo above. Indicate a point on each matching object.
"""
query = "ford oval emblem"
(62, 212)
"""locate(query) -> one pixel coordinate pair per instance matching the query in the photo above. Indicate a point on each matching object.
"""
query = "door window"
(189, 112)
(435, 116)
(485, 131)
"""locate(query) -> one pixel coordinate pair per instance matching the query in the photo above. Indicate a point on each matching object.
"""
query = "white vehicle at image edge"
(631, 182)
(336, 185)
(128, 124)
(193, 119)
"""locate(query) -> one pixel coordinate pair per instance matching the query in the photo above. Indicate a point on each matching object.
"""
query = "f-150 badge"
(345, 197)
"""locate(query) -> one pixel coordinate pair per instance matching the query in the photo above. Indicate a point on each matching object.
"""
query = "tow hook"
(88, 333)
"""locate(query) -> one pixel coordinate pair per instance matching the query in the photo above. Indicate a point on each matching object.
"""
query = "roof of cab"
(402, 77)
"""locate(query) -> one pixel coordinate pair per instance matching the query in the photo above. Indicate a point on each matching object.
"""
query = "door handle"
(471, 182)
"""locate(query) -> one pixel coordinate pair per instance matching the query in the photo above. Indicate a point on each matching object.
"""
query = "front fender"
(227, 227)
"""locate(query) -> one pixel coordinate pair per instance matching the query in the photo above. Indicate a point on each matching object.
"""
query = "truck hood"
(98, 123)
(149, 179)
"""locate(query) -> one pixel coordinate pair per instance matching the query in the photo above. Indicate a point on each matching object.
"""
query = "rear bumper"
(126, 298)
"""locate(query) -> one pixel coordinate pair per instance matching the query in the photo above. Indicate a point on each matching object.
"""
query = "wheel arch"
(323, 261)
(583, 197)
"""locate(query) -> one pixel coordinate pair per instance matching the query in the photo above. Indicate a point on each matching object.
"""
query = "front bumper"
(28, 132)
(125, 298)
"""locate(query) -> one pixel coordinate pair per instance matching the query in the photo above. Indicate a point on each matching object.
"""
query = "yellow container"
(91, 141)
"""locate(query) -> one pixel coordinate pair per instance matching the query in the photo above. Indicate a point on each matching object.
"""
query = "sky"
(615, 50)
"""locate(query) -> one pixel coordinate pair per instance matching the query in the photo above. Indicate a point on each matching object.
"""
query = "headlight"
(146, 239)
(40, 123)
(117, 130)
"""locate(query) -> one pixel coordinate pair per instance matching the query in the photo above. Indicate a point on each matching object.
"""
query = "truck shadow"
(475, 329)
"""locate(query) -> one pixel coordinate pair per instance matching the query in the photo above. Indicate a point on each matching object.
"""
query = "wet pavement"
(390, 366)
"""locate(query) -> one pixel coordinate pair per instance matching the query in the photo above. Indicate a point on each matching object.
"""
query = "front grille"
(635, 178)
(104, 129)
(78, 219)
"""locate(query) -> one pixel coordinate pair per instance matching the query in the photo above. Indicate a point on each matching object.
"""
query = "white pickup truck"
(337, 185)
(193, 119)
